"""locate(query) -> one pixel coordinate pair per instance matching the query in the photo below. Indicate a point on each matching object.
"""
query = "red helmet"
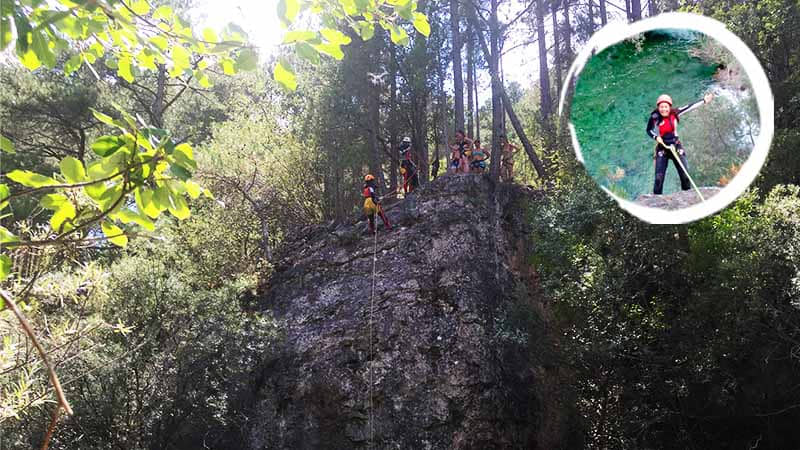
(664, 98)
(369, 177)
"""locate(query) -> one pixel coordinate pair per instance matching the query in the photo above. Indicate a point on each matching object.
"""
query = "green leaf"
(6, 145)
(284, 76)
(73, 170)
(30, 60)
(161, 198)
(307, 52)
(421, 24)
(398, 35)
(129, 216)
(65, 212)
(140, 7)
(95, 191)
(144, 201)
(114, 234)
(42, 49)
(203, 81)
(4, 192)
(193, 189)
(180, 172)
(7, 236)
(160, 42)
(330, 49)
(107, 145)
(73, 64)
(178, 206)
(53, 201)
(184, 155)
(299, 36)
(287, 10)
(247, 60)
(335, 36)
(405, 11)
(366, 30)
(124, 68)
(5, 267)
(180, 60)
(30, 179)
(209, 35)
(5, 32)
(106, 119)
(227, 67)
(163, 12)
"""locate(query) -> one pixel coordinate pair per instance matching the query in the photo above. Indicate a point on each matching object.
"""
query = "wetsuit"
(666, 127)
(372, 205)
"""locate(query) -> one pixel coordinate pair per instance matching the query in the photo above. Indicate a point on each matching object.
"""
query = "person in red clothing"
(372, 204)
(662, 126)
(407, 167)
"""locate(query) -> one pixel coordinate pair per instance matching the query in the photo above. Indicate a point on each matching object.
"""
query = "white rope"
(371, 307)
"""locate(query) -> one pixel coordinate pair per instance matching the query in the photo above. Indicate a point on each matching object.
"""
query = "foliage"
(677, 333)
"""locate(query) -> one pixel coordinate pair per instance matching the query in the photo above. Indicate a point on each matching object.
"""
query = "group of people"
(466, 156)
(469, 156)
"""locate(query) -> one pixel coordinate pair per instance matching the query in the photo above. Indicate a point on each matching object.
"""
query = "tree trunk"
(556, 44)
(493, 58)
(477, 103)
(651, 8)
(495, 171)
(393, 114)
(566, 55)
(372, 92)
(470, 83)
(591, 16)
(458, 81)
(157, 110)
(544, 74)
(442, 129)
(636, 9)
(603, 15)
(418, 62)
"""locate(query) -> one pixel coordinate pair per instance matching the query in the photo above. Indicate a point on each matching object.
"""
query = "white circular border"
(614, 33)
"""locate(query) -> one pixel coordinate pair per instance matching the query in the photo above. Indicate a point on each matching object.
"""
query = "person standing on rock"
(507, 160)
(372, 204)
(459, 153)
(407, 167)
(662, 126)
(479, 157)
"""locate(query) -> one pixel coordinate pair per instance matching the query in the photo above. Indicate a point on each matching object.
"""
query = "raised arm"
(692, 106)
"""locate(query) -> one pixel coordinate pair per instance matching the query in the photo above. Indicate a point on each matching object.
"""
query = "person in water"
(662, 127)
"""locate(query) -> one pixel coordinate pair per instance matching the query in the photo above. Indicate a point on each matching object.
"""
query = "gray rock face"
(676, 200)
(458, 354)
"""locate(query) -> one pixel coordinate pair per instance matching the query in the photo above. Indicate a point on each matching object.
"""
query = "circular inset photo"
(674, 122)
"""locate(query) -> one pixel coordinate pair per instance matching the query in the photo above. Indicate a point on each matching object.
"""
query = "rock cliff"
(676, 200)
(461, 353)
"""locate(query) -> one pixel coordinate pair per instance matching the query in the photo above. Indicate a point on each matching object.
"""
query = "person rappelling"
(662, 126)
(407, 167)
(372, 204)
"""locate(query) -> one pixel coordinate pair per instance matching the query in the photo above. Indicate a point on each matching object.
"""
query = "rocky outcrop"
(677, 200)
(459, 354)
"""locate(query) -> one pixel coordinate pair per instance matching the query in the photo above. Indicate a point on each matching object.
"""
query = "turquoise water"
(614, 96)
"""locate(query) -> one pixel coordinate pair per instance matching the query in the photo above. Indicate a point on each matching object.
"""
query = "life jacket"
(667, 124)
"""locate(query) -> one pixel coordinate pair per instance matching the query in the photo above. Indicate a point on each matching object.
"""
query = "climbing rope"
(371, 307)
(678, 160)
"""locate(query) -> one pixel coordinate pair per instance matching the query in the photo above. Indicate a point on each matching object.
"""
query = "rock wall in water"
(459, 355)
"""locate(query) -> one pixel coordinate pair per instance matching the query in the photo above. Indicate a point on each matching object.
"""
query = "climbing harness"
(678, 160)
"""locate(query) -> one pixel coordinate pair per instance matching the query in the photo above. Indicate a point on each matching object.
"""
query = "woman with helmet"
(662, 126)
(372, 204)
(407, 167)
